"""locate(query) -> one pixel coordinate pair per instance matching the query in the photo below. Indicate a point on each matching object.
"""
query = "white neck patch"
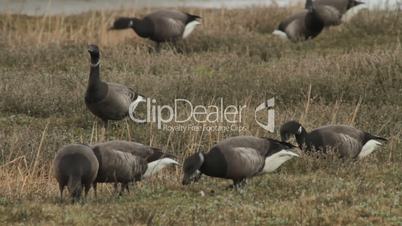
(300, 130)
(95, 65)
(202, 158)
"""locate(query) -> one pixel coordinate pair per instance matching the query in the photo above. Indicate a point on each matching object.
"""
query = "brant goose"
(238, 158)
(76, 167)
(155, 158)
(107, 101)
(124, 162)
(160, 26)
(348, 141)
(309, 23)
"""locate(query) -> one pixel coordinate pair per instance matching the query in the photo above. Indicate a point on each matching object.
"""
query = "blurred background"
(49, 7)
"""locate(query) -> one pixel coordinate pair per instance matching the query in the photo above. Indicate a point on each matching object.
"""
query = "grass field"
(351, 74)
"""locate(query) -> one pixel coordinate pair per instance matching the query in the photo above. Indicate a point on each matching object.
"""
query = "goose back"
(118, 166)
(168, 25)
(150, 154)
(114, 105)
(341, 5)
(347, 140)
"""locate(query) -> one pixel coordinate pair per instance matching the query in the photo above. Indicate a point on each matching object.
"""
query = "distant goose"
(155, 158)
(309, 23)
(108, 101)
(347, 8)
(238, 158)
(348, 141)
(160, 26)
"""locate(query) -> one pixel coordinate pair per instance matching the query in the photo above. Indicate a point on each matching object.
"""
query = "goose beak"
(92, 48)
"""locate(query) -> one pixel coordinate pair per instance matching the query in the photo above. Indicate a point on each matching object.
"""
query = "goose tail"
(122, 23)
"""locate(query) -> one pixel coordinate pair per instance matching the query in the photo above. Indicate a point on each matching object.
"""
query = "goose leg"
(94, 186)
(116, 191)
(87, 187)
(125, 187)
(61, 188)
(238, 185)
(104, 130)
(158, 47)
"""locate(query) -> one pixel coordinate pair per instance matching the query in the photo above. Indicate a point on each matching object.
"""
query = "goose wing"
(146, 152)
(296, 30)
(126, 93)
(282, 26)
(168, 25)
(243, 162)
(329, 15)
(344, 139)
(340, 5)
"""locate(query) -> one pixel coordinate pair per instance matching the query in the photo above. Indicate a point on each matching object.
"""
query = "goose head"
(191, 168)
(93, 51)
(291, 128)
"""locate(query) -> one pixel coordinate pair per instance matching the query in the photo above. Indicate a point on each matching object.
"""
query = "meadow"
(350, 74)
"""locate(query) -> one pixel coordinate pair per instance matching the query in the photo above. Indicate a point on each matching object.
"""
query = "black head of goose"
(160, 26)
(156, 159)
(107, 101)
(348, 141)
(238, 158)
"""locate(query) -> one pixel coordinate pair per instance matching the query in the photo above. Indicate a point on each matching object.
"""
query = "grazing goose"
(348, 141)
(309, 23)
(238, 158)
(156, 159)
(107, 101)
(76, 167)
(160, 26)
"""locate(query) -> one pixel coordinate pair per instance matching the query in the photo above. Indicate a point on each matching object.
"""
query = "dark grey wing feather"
(124, 93)
(243, 162)
(168, 25)
(340, 5)
(329, 15)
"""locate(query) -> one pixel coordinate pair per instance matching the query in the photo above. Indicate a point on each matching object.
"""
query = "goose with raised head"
(106, 100)
(160, 26)
(347, 141)
(238, 158)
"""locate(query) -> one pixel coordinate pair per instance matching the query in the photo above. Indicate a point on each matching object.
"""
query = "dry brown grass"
(349, 75)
